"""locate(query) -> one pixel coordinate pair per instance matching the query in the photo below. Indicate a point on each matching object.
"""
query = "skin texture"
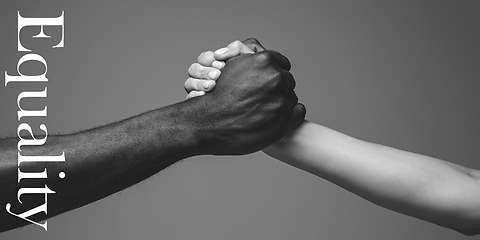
(413, 184)
(253, 106)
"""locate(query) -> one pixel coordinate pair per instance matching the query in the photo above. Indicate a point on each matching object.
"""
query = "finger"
(254, 45)
(218, 64)
(193, 94)
(273, 57)
(292, 98)
(297, 117)
(193, 84)
(196, 70)
(206, 58)
(233, 49)
(282, 61)
(289, 80)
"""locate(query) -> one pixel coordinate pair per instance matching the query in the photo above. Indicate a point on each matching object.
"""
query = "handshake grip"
(252, 106)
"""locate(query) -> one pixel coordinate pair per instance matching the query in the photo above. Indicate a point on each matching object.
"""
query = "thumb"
(233, 49)
(254, 44)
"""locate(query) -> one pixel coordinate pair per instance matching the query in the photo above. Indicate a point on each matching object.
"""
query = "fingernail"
(213, 74)
(218, 64)
(221, 51)
(207, 84)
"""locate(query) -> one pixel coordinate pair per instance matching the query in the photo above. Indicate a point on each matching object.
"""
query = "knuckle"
(277, 77)
(283, 101)
(201, 56)
(197, 70)
(287, 65)
(301, 109)
(186, 85)
(192, 68)
(274, 80)
(264, 57)
(291, 83)
(235, 44)
(204, 56)
(279, 106)
(203, 72)
(192, 84)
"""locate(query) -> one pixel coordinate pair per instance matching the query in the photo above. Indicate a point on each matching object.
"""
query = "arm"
(253, 109)
(420, 186)
(99, 162)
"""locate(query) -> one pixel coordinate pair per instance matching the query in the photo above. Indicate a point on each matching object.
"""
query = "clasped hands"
(247, 98)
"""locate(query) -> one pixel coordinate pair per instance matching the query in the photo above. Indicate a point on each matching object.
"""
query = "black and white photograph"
(215, 120)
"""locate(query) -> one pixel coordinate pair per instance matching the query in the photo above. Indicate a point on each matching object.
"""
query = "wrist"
(203, 127)
(183, 123)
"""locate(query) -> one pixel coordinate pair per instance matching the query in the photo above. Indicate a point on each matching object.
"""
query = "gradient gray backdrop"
(400, 73)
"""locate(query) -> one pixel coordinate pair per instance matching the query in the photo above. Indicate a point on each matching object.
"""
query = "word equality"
(26, 114)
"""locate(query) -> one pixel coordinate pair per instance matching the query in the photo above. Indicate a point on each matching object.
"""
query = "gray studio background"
(401, 73)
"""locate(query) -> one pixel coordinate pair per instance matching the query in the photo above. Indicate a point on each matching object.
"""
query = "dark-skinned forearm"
(100, 161)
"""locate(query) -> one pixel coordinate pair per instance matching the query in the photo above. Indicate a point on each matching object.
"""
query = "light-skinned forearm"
(420, 186)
